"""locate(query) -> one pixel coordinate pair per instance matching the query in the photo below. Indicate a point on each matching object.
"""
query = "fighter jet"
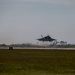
(46, 38)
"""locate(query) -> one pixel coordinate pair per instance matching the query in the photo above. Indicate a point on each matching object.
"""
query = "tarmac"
(47, 48)
(39, 48)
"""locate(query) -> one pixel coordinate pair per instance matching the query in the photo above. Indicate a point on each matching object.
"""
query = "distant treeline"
(22, 45)
(19, 45)
(34, 45)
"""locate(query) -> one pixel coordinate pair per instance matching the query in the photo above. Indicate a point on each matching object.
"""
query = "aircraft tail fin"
(41, 36)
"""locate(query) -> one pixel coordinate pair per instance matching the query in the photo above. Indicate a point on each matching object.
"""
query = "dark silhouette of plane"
(46, 38)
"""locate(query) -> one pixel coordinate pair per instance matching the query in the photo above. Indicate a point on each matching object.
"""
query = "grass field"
(37, 62)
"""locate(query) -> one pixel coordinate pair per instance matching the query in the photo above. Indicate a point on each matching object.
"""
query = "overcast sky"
(23, 21)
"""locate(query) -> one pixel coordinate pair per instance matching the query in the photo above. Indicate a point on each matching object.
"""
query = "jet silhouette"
(46, 38)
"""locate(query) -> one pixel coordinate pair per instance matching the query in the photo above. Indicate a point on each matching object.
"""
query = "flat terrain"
(37, 62)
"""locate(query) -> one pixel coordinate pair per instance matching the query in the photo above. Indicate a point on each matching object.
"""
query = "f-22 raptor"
(46, 38)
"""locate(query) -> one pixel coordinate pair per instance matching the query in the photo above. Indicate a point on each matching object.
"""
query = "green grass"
(37, 62)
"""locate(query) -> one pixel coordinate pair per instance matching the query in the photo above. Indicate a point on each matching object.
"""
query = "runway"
(48, 48)
(39, 48)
